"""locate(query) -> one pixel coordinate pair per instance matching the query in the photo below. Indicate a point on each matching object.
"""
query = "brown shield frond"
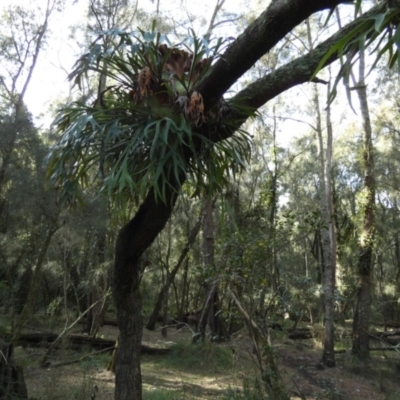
(144, 83)
(195, 107)
(177, 61)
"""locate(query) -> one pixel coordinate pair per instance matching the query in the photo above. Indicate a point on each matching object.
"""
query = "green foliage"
(4, 325)
(142, 131)
(161, 395)
(97, 361)
(303, 292)
(380, 29)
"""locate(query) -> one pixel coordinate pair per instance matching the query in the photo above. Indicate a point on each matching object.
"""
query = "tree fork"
(138, 234)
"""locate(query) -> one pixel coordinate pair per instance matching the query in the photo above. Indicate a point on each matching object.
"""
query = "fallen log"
(391, 324)
(394, 341)
(106, 321)
(392, 348)
(301, 334)
(388, 333)
(46, 338)
(76, 360)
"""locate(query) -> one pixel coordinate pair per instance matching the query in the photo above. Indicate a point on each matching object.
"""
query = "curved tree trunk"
(133, 239)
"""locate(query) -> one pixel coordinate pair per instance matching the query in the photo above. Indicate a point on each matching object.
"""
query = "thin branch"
(40, 38)
(63, 363)
(68, 328)
(94, 11)
(212, 25)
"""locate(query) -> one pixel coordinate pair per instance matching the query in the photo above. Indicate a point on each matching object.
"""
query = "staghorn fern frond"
(143, 130)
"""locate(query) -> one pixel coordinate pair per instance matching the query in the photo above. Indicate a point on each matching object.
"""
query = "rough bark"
(294, 73)
(262, 35)
(133, 239)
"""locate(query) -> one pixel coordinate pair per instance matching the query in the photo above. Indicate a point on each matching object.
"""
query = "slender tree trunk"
(165, 293)
(34, 286)
(328, 355)
(17, 97)
(273, 208)
(208, 264)
(397, 256)
(98, 288)
(265, 357)
(208, 235)
(327, 232)
(360, 346)
(208, 312)
(330, 269)
(210, 306)
(183, 302)
(318, 254)
(7, 151)
(171, 276)
(381, 291)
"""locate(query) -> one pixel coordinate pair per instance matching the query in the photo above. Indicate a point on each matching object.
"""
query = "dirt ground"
(299, 361)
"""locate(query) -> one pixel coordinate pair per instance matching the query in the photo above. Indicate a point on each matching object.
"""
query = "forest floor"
(216, 371)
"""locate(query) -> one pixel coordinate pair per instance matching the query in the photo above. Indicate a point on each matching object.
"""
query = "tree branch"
(289, 75)
(297, 71)
(262, 35)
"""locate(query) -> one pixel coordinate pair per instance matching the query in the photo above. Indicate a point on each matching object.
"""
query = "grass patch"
(95, 361)
(252, 390)
(199, 357)
(162, 395)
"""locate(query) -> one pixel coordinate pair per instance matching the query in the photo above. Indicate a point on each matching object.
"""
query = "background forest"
(302, 244)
